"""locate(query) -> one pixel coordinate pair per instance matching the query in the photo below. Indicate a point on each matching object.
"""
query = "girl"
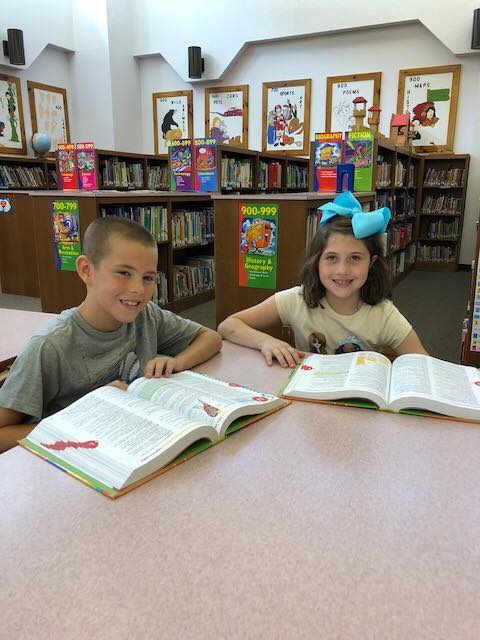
(342, 304)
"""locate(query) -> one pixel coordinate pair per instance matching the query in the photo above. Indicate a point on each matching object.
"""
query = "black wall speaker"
(195, 62)
(476, 30)
(13, 47)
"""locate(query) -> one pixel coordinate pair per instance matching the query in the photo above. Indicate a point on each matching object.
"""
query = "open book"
(113, 440)
(413, 383)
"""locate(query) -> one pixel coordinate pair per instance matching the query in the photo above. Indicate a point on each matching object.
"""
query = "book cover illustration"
(87, 174)
(181, 165)
(67, 167)
(359, 153)
(327, 154)
(206, 170)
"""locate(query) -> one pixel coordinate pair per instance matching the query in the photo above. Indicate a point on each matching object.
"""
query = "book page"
(124, 433)
(342, 376)
(202, 398)
(418, 376)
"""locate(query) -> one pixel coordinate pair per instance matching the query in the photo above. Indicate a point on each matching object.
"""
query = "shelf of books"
(22, 173)
(120, 170)
(182, 225)
(238, 169)
(157, 173)
(442, 195)
(397, 178)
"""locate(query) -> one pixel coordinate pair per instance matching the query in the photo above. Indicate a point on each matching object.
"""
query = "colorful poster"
(172, 118)
(67, 167)
(66, 230)
(226, 115)
(359, 152)
(181, 165)
(5, 205)
(341, 91)
(258, 234)
(206, 173)
(327, 154)
(87, 174)
(286, 116)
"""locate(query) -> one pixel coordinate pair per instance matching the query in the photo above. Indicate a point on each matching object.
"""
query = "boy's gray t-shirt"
(67, 358)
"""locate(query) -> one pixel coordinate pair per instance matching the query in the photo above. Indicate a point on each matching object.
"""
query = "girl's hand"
(286, 355)
(162, 365)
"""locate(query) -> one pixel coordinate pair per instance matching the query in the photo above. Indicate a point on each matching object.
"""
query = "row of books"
(153, 217)
(195, 276)
(160, 295)
(158, 177)
(400, 178)
(435, 253)
(18, 176)
(442, 205)
(398, 236)
(237, 174)
(444, 177)
(401, 261)
(270, 176)
(121, 175)
(192, 227)
(384, 172)
(297, 177)
(443, 229)
(400, 174)
(52, 178)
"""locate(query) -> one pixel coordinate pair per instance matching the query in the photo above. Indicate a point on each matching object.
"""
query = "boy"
(115, 334)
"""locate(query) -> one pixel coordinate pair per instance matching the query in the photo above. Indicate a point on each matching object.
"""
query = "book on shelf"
(270, 175)
(192, 227)
(413, 383)
(444, 177)
(297, 176)
(120, 174)
(115, 440)
(384, 172)
(158, 177)
(442, 204)
(195, 276)
(24, 177)
(160, 293)
(236, 173)
(152, 217)
(436, 253)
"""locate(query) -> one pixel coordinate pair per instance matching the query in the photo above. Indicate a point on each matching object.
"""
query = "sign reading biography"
(258, 233)
(327, 155)
(66, 233)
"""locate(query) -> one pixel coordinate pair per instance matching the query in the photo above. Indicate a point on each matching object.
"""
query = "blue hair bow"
(363, 224)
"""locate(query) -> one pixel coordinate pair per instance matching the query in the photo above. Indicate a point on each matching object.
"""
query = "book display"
(413, 383)
(443, 194)
(115, 440)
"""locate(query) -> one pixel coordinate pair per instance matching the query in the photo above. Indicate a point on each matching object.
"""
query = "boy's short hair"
(96, 241)
(377, 286)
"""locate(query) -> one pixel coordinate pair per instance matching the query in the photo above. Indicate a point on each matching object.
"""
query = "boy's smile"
(120, 285)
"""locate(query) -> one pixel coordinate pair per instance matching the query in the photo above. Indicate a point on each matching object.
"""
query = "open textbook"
(413, 383)
(113, 440)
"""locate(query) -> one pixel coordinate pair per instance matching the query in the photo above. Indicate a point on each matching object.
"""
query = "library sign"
(66, 234)
(258, 233)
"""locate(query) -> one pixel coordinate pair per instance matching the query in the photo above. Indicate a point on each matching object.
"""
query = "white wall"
(385, 49)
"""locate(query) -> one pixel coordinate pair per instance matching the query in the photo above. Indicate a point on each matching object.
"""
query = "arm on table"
(12, 428)
(411, 344)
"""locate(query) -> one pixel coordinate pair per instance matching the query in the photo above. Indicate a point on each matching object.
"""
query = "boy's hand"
(162, 365)
(118, 384)
(286, 355)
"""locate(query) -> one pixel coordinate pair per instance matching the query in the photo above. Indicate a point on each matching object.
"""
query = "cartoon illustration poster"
(181, 165)
(206, 174)
(258, 234)
(12, 131)
(226, 115)
(341, 101)
(172, 118)
(327, 154)
(67, 167)
(66, 233)
(428, 100)
(359, 152)
(87, 175)
(286, 124)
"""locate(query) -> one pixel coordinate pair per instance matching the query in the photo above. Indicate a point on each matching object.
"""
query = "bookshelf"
(156, 178)
(442, 206)
(182, 224)
(120, 170)
(24, 173)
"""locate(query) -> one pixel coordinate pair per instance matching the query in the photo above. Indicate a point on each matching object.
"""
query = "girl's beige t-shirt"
(322, 330)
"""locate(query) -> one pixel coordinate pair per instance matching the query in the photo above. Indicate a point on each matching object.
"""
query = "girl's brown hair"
(378, 284)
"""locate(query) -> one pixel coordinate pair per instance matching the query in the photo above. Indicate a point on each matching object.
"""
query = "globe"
(41, 143)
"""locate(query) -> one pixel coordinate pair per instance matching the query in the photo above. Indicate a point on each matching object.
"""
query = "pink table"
(16, 327)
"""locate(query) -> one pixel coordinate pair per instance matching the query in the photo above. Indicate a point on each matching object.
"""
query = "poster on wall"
(66, 234)
(430, 96)
(49, 112)
(286, 117)
(12, 128)
(226, 115)
(342, 90)
(172, 118)
(205, 164)
(181, 165)
(258, 234)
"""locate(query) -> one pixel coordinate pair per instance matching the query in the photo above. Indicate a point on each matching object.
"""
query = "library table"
(16, 327)
(315, 522)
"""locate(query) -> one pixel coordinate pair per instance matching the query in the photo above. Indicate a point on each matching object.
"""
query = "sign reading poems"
(430, 96)
(172, 118)
(49, 112)
(66, 234)
(258, 233)
(12, 128)
(342, 90)
(226, 115)
(286, 117)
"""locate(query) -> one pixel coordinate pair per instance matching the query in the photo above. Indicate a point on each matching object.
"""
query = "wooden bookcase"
(442, 205)
(157, 175)
(293, 213)
(60, 290)
(24, 173)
